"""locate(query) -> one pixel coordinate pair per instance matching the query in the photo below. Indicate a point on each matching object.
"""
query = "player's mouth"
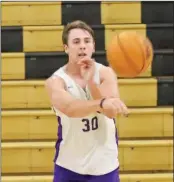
(81, 55)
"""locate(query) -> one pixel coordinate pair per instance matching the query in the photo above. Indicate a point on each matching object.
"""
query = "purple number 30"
(90, 124)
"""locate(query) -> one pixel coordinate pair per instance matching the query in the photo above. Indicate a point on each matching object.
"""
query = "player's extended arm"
(108, 87)
(64, 102)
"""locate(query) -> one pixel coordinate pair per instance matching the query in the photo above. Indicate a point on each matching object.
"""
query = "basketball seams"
(142, 52)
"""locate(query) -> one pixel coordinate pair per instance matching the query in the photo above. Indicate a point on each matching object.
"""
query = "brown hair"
(73, 25)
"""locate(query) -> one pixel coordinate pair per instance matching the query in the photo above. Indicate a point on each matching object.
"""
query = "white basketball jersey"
(88, 145)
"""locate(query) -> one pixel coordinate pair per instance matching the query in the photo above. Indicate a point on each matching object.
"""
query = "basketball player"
(84, 95)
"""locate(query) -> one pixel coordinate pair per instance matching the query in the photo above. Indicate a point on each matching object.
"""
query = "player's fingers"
(117, 107)
(124, 108)
(85, 60)
(116, 110)
(85, 64)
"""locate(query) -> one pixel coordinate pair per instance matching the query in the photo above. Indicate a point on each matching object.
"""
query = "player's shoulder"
(55, 79)
(54, 82)
(106, 71)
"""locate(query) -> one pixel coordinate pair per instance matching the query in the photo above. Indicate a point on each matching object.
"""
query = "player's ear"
(66, 48)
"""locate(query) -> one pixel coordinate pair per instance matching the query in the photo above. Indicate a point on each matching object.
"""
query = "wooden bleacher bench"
(42, 38)
(37, 157)
(31, 13)
(32, 94)
(49, 38)
(164, 177)
(42, 124)
(50, 13)
(162, 64)
(11, 61)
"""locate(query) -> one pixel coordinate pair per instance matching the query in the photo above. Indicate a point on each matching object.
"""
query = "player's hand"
(114, 106)
(87, 68)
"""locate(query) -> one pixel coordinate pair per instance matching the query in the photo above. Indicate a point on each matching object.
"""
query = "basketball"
(129, 54)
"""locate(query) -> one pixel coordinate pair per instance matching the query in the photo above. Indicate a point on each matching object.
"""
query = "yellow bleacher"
(32, 94)
(36, 157)
(164, 177)
(48, 38)
(42, 38)
(31, 13)
(132, 15)
(17, 60)
(41, 124)
(9, 61)
(49, 13)
(146, 136)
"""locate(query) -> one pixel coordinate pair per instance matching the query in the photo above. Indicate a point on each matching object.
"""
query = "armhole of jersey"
(98, 67)
(52, 107)
(55, 76)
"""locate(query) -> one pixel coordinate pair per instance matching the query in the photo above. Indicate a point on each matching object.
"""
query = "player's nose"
(82, 46)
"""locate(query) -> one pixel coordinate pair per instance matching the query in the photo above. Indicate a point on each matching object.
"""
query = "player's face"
(80, 44)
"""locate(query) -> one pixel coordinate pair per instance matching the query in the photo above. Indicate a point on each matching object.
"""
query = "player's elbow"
(70, 113)
(74, 112)
(65, 109)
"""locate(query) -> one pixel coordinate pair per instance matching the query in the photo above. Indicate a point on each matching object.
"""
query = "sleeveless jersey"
(85, 145)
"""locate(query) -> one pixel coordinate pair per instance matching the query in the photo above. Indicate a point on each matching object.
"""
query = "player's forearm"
(80, 108)
(96, 94)
(94, 90)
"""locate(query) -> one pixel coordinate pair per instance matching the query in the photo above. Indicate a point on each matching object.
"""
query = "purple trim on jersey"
(59, 134)
(116, 136)
(116, 132)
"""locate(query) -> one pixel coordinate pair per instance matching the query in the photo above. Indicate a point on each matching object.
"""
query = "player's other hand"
(114, 106)
(87, 68)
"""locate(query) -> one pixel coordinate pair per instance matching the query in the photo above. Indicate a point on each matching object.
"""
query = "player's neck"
(73, 69)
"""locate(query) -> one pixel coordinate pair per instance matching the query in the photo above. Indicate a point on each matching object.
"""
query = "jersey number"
(90, 124)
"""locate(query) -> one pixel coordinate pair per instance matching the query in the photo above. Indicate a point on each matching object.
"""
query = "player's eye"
(87, 41)
(76, 41)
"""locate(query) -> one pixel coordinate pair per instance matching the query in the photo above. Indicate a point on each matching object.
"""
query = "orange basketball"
(129, 54)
